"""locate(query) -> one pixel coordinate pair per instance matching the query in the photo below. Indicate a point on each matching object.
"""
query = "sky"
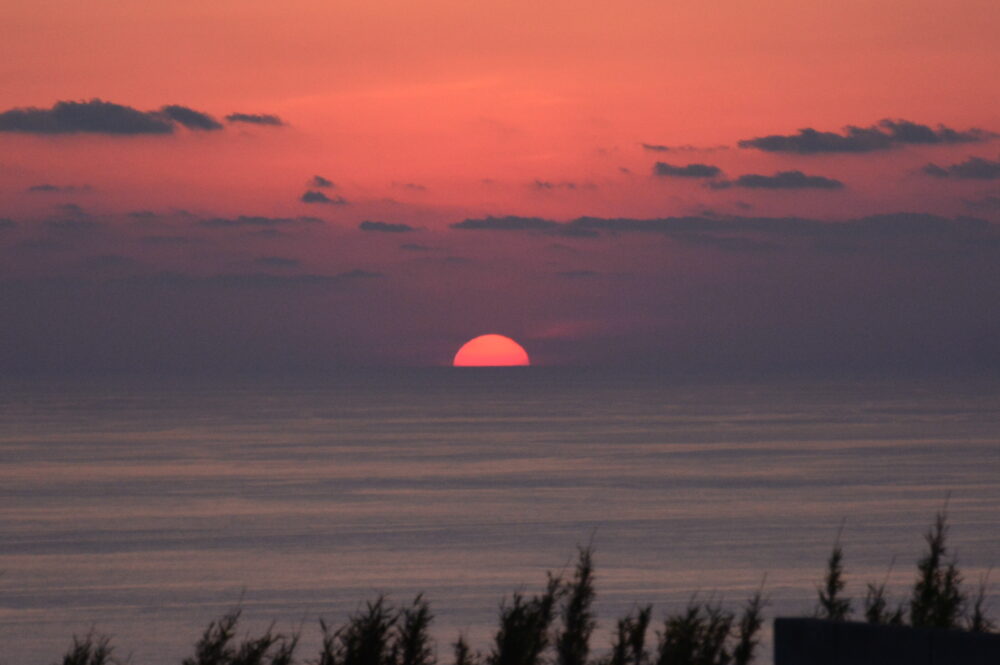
(742, 186)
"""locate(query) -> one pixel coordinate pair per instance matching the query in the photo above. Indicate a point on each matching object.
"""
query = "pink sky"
(425, 115)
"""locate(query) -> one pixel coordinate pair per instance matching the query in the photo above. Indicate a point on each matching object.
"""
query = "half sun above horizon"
(491, 351)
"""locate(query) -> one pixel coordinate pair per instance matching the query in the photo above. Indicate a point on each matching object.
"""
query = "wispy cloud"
(256, 119)
(688, 171)
(97, 116)
(780, 180)
(974, 168)
(885, 135)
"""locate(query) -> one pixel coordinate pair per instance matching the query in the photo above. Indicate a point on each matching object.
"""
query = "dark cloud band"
(256, 119)
(689, 171)
(385, 227)
(885, 135)
(974, 168)
(780, 180)
(97, 116)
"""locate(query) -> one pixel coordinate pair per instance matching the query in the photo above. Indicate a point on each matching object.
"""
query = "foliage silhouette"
(92, 649)
(463, 654)
(217, 647)
(629, 646)
(747, 632)
(573, 645)
(413, 643)
(832, 605)
(524, 627)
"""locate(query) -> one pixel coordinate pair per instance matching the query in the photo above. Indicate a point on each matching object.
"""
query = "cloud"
(414, 247)
(253, 280)
(688, 171)
(903, 231)
(73, 225)
(190, 118)
(312, 196)
(256, 119)
(165, 240)
(412, 186)
(509, 223)
(657, 147)
(46, 188)
(974, 168)
(248, 221)
(885, 135)
(727, 243)
(385, 227)
(109, 262)
(547, 185)
(71, 209)
(578, 274)
(319, 182)
(780, 180)
(97, 116)
(7, 223)
(277, 262)
(990, 203)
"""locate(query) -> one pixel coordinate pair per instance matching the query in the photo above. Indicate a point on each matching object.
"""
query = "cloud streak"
(739, 233)
(251, 221)
(313, 196)
(264, 119)
(780, 180)
(974, 168)
(97, 116)
(663, 169)
(385, 227)
(885, 135)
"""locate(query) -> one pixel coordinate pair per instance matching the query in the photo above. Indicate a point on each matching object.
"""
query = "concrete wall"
(819, 642)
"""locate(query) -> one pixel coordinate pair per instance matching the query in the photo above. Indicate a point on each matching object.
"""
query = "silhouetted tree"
(215, 646)
(978, 621)
(832, 605)
(92, 649)
(573, 644)
(751, 621)
(463, 654)
(628, 646)
(366, 639)
(696, 636)
(413, 642)
(524, 627)
(937, 600)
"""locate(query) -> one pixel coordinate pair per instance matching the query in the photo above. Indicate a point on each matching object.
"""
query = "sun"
(491, 351)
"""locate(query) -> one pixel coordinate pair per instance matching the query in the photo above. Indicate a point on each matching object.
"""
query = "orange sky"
(427, 114)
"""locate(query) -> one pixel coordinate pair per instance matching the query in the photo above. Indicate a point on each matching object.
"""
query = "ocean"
(146, 507)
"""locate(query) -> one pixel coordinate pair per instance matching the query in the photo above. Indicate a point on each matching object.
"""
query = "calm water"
(147, 508)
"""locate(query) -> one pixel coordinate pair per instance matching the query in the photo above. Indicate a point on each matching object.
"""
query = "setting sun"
(491, 351)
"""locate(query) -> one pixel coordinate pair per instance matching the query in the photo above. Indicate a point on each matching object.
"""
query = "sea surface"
(145, 508)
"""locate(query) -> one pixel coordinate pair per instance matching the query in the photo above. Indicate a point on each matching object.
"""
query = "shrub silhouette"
(217, 646)
(524, 627)
(747, 633)
(629, 644)
(413, 643)
(573, 645)
(695, 636)
(92, 649)
(366, 639)
(937, 601)
(832, 605)
(463, 654)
